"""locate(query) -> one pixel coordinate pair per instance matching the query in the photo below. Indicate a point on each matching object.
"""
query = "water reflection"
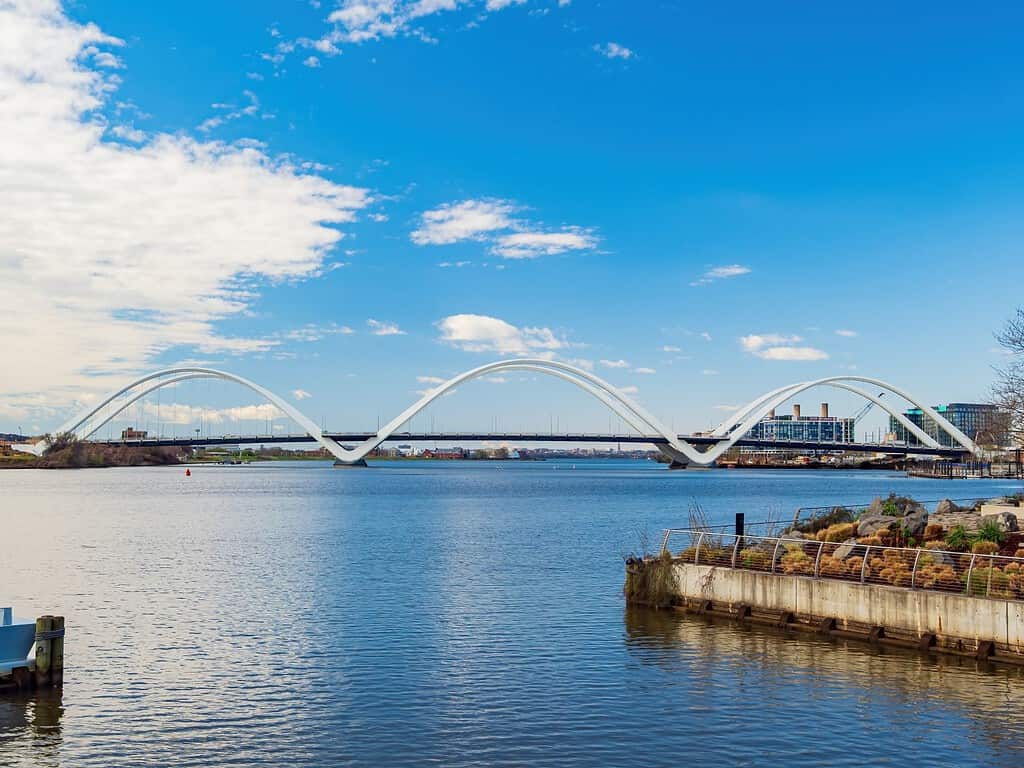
(31, 725)
(985, 695)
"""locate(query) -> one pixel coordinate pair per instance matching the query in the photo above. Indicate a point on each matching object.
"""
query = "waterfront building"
(982, 422)
(818, 429)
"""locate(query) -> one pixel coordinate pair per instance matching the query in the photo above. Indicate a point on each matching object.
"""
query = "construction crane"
(865, 410)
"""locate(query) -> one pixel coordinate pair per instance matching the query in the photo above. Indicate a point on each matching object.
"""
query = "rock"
(915, 522)
(947, 507)
(869, 524)
(844, 550)
(1007, 521)
(939, 558)
(900, 504)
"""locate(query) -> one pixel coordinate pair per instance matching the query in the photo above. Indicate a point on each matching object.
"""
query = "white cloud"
(754, 341)
(430, 380)
(586, 365)
(481, 333)
(614, 363)
(709, 372)
(181, 414)
(726, 407)
(670, 348)
(467, 220)
(612, 50)
(847, 333)
(645, 371)
(123, 252)
(721, 273)
(530, 245)
(792, 353)
(300, 394)
(230, 112)
(774, 346)
(311, 61)
(360, 21)
(705, 335)
(493, 220)
(315, 332)
(630, 390)
(384, 328)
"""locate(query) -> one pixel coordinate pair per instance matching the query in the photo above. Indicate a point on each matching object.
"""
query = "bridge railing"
(976, 575)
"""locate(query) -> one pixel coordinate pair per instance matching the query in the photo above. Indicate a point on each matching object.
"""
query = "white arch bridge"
(703, 450)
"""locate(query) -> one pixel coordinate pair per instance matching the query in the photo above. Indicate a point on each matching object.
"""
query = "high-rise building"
(983, 423)
(815, 429)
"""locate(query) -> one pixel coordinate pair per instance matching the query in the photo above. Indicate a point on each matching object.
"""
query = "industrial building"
(983, 423)
(822, 428)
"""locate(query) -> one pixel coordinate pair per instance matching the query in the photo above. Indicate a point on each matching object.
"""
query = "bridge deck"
(353, 438)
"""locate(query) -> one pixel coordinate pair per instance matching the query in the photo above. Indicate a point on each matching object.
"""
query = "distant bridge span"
(680, 448)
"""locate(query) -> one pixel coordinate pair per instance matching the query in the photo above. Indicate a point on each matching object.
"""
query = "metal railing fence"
(977, 575)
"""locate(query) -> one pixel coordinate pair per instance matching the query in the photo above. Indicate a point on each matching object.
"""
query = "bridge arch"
(745, 419)
(730, 431)
(170, 376)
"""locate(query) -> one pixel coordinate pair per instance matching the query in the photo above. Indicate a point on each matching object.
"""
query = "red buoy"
(188, 472)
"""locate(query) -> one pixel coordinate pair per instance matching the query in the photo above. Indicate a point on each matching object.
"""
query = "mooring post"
(57, 653)
(739, 524)
(43, 646)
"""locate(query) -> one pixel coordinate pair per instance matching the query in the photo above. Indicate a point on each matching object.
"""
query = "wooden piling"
(57, 654)
(43, 647)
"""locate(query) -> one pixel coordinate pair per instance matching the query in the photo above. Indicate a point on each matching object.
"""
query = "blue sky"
(711, 194)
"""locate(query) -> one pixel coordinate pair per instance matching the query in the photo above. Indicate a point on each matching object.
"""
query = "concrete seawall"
(973, 625)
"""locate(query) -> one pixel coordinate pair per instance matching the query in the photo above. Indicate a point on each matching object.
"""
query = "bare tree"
(1008, 392)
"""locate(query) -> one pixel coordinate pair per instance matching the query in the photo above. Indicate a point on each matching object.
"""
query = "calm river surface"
(445, 613)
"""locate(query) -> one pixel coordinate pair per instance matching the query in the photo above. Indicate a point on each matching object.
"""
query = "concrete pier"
(982, 627)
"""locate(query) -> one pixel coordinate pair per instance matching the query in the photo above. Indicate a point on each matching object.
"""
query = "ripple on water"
(455, 614)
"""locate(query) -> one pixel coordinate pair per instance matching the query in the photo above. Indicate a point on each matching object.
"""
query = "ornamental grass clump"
(652, 582)
(987, 581)
(755, 560)
(837, 532)
(984, 548)
(796, 562)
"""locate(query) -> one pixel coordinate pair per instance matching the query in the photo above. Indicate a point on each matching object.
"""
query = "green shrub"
(989, 530)
(958, 540)
(987, 581)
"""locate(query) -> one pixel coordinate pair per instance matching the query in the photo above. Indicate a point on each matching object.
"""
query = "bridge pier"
(676, 464)
(350, 464)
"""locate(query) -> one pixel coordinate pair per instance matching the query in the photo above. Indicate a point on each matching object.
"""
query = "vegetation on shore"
(68, 452)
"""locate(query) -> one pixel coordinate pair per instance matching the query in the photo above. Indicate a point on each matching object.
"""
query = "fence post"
(988, 584)
(864, 563)
(970, 570)
(735, 549)
(696, 555)
(817, 559)
(664, 540)
(739, 523)
(913, 573)
(775, 553)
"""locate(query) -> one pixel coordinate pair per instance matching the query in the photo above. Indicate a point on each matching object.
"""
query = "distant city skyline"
(354, 201)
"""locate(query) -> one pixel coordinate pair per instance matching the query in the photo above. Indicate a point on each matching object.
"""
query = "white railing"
(978, 575)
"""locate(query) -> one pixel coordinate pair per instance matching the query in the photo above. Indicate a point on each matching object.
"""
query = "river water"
(453, 614)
